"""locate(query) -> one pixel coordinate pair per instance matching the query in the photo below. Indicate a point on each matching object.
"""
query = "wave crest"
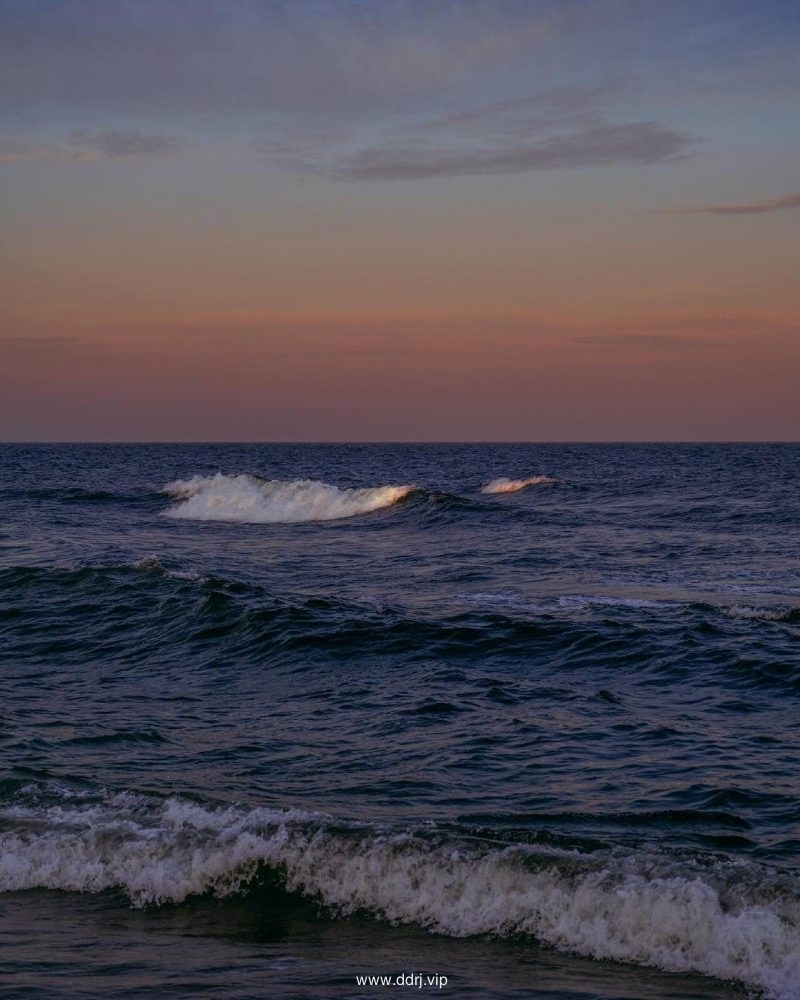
(249, 499)
(732, 920)
(503, 485)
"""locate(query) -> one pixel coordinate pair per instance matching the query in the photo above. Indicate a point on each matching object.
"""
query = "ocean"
(488, 720)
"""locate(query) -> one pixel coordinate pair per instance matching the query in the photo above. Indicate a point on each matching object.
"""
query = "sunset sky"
(400, 220)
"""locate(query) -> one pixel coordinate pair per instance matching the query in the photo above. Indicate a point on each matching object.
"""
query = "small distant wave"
(248, 499)
(731, 920)
(152, 564)
(70, 494)
(105, 577)
(518, 603)
(763, 614)
(570, 602)
(503, 485)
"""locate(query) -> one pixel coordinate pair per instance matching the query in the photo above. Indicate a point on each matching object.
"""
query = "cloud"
(357, 63)
(317, 56)
(411, 88)
(699, 331)
(87, 146)
(651, 341)
(601, 144)
(750, 207)
(24, 151)
(557, 128)
(113, 145)
(35, 343)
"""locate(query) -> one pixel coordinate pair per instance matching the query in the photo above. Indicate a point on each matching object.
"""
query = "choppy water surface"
(272, 717)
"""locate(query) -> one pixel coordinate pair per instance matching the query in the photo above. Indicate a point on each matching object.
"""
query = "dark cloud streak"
(114, 145)
(601, 144)
(88, 146)
(749, 207)
(564, 127)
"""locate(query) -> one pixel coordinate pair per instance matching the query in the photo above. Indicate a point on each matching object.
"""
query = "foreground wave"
(730, 920)
(251, 500)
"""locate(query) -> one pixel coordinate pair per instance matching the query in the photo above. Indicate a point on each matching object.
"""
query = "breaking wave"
(731, 920)
(503, 485)
(249, 499)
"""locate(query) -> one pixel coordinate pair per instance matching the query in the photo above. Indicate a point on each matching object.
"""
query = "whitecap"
(503, 485)
(152, 564)
(763, 614)
(563, 602)
(251, 500)
(579, 601)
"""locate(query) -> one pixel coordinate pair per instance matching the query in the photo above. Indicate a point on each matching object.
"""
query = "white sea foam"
(764, 614)
(732, 920)
(152, 564)
(579, 602)
(564, 602)
(249, 499)
(503, 485)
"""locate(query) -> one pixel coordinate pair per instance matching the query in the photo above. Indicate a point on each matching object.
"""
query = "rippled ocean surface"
(273, 717)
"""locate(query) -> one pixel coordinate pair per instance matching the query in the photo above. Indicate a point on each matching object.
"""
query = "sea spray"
(733, 920)
(249, 499)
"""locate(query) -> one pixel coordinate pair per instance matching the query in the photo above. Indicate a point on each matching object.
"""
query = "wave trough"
(248, 499)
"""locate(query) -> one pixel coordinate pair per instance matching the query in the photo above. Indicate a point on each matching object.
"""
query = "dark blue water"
(260, 736)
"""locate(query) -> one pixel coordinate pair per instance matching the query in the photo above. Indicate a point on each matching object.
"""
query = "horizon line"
(313, 443)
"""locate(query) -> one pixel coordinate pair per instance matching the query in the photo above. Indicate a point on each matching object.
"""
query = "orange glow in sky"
(514, 225)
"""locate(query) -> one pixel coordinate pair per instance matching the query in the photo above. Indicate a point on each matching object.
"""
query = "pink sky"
(545, 237)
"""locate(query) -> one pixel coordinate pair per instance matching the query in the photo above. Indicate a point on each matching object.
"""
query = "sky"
(388, 220)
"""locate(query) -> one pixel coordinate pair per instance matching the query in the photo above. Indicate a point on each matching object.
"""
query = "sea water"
(499, 720)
